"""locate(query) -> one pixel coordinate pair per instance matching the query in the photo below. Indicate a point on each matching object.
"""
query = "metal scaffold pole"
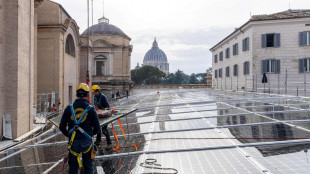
(285, 82)
(253, 83)
(256, 83)
(264, 144)
(279, 83)
(304, 81)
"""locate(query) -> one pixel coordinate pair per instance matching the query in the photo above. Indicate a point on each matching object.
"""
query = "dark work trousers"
(106, 133)
(87, 161)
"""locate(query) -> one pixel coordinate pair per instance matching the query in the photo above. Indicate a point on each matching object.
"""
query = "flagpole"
(87, 72)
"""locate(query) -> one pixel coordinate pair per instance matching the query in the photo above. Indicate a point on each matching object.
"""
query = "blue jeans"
(81, 146)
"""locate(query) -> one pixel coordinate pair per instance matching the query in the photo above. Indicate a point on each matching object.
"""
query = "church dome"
(155, 54)
(104, 28)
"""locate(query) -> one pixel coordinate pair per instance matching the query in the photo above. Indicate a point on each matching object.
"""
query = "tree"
(169, 79)
(178, 77)
(209, 70)
(135, 77)
(201, 77)
(147, 75)
(193, 79)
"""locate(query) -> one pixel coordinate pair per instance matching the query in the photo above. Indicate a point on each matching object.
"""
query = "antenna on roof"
(92, 12)
(103, 19)
(250, 13)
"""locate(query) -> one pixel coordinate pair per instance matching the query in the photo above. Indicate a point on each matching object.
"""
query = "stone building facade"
(17, 46)
(110, 58)
(58, 53)
(41, 51)
(276, 44)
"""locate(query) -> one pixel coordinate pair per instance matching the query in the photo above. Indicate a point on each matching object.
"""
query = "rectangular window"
(271, 40)
(220, 73)
(271, 66)
(227, 53)
(246, 68)
(304, 38)
(215, 58)
(221, 56)
(304, 65)
(215, 73)
(255, 131)
(245, 44)
(100, 69)
(234, 120)
(70, 95)
(227, 71)
(235, 70)
(235, 49)
(242, 119)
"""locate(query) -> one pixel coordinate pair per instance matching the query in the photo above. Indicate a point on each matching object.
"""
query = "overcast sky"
(185, 29)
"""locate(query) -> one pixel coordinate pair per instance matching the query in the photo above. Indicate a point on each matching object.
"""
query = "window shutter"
(264, 41)
(301, 65)
(247, 44)
(227, 72)
(248, 68)
(236, 49)
(264, 66)
(226, 53)
(277, 40)
(244, 68)
(304, 38)
(236, 70)
(243, 45)
(301, 41)
(278, 67)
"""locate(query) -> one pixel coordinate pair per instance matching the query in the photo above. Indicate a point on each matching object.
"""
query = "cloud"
(187, 50)
(185, 29)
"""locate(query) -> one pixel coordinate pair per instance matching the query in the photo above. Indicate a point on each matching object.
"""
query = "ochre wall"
(17, 60)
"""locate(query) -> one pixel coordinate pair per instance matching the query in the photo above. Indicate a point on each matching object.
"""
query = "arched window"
(70, 47)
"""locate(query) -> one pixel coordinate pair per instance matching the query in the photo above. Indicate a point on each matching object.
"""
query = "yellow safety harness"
(72, 132)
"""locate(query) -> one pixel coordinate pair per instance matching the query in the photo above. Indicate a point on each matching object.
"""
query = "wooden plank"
(28, 134)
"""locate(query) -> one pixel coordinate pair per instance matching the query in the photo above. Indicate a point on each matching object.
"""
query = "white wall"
(237, 81)
(289, 52)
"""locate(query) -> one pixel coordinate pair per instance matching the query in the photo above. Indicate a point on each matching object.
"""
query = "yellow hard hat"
(83, 86)
(94, 88)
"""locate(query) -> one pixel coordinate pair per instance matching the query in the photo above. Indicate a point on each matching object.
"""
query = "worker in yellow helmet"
(82, 122)
(101, 101)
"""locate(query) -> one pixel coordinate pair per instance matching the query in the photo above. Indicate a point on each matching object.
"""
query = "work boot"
(109, 147)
